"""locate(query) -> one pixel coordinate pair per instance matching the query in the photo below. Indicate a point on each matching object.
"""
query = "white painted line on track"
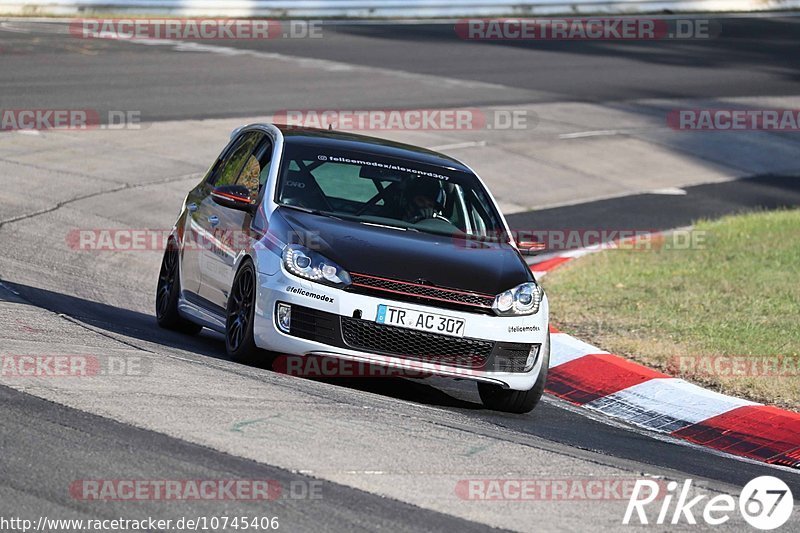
(670, 191)
(594, 133)
(458, 146)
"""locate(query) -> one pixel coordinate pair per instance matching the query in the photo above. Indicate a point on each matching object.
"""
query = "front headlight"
(312, 266)
(521, 300)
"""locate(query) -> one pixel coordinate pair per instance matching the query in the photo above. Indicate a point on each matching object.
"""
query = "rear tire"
(239, 339)
(497, 398)
(168, 292)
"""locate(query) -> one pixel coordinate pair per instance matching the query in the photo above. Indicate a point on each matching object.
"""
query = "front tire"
(497, 398)
(168, 292)
(239, 339)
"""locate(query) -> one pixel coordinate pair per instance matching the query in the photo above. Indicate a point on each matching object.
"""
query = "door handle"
(192, 207)
(213, 220)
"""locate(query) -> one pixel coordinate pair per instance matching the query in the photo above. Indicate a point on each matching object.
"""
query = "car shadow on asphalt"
(410, 390)
(118, 322)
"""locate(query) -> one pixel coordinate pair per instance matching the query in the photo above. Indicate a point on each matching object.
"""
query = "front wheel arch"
(497, 398)
(240, 313)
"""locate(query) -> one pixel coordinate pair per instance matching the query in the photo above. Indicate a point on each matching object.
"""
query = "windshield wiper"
(381, 225)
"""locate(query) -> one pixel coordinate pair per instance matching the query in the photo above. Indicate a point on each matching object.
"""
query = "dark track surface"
(659, 212)
(47, 447)
(749, 58)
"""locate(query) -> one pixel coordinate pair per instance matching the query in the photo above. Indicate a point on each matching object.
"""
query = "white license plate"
(430, 322)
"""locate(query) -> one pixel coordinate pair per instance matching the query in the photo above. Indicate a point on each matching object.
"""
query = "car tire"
(239, 339)
(167, 293)
(497, 398)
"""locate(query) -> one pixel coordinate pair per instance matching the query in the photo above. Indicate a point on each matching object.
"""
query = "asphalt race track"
(751, 57)
(383, 454)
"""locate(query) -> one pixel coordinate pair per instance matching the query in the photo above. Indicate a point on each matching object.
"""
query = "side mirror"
(531, 247)
(233, 197)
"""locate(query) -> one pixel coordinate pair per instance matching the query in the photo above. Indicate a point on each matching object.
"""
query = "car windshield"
(375, 189)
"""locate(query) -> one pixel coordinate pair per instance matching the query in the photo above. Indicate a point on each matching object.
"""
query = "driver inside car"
(424, 199)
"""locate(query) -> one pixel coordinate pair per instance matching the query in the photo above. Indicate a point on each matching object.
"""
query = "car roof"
(362, 143)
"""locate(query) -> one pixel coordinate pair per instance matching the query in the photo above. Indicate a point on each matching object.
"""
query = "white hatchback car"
(312, 242)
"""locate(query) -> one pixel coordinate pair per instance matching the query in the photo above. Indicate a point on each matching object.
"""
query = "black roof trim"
(362, 143)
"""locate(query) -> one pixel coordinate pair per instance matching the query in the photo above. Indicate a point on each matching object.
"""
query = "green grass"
(735, 294)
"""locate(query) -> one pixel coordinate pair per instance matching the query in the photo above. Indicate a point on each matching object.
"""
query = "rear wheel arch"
(168, 292)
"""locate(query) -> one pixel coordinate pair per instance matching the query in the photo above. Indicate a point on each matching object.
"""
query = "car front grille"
(371, 337)
(429, 347)
(417, 292)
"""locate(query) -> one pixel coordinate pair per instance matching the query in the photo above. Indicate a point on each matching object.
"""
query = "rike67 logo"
(765, 503)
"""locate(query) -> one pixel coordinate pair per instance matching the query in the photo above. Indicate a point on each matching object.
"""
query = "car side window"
(238, 157)
(249, 176)
(255, 171)
(264, 154)
(479, 214)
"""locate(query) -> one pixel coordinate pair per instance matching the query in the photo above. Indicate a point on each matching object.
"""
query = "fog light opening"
(533, 355)
(285, 317)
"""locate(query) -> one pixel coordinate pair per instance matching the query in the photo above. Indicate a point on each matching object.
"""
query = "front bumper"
(348, 318)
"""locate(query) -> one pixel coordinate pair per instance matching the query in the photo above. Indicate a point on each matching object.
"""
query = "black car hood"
(488, 268)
